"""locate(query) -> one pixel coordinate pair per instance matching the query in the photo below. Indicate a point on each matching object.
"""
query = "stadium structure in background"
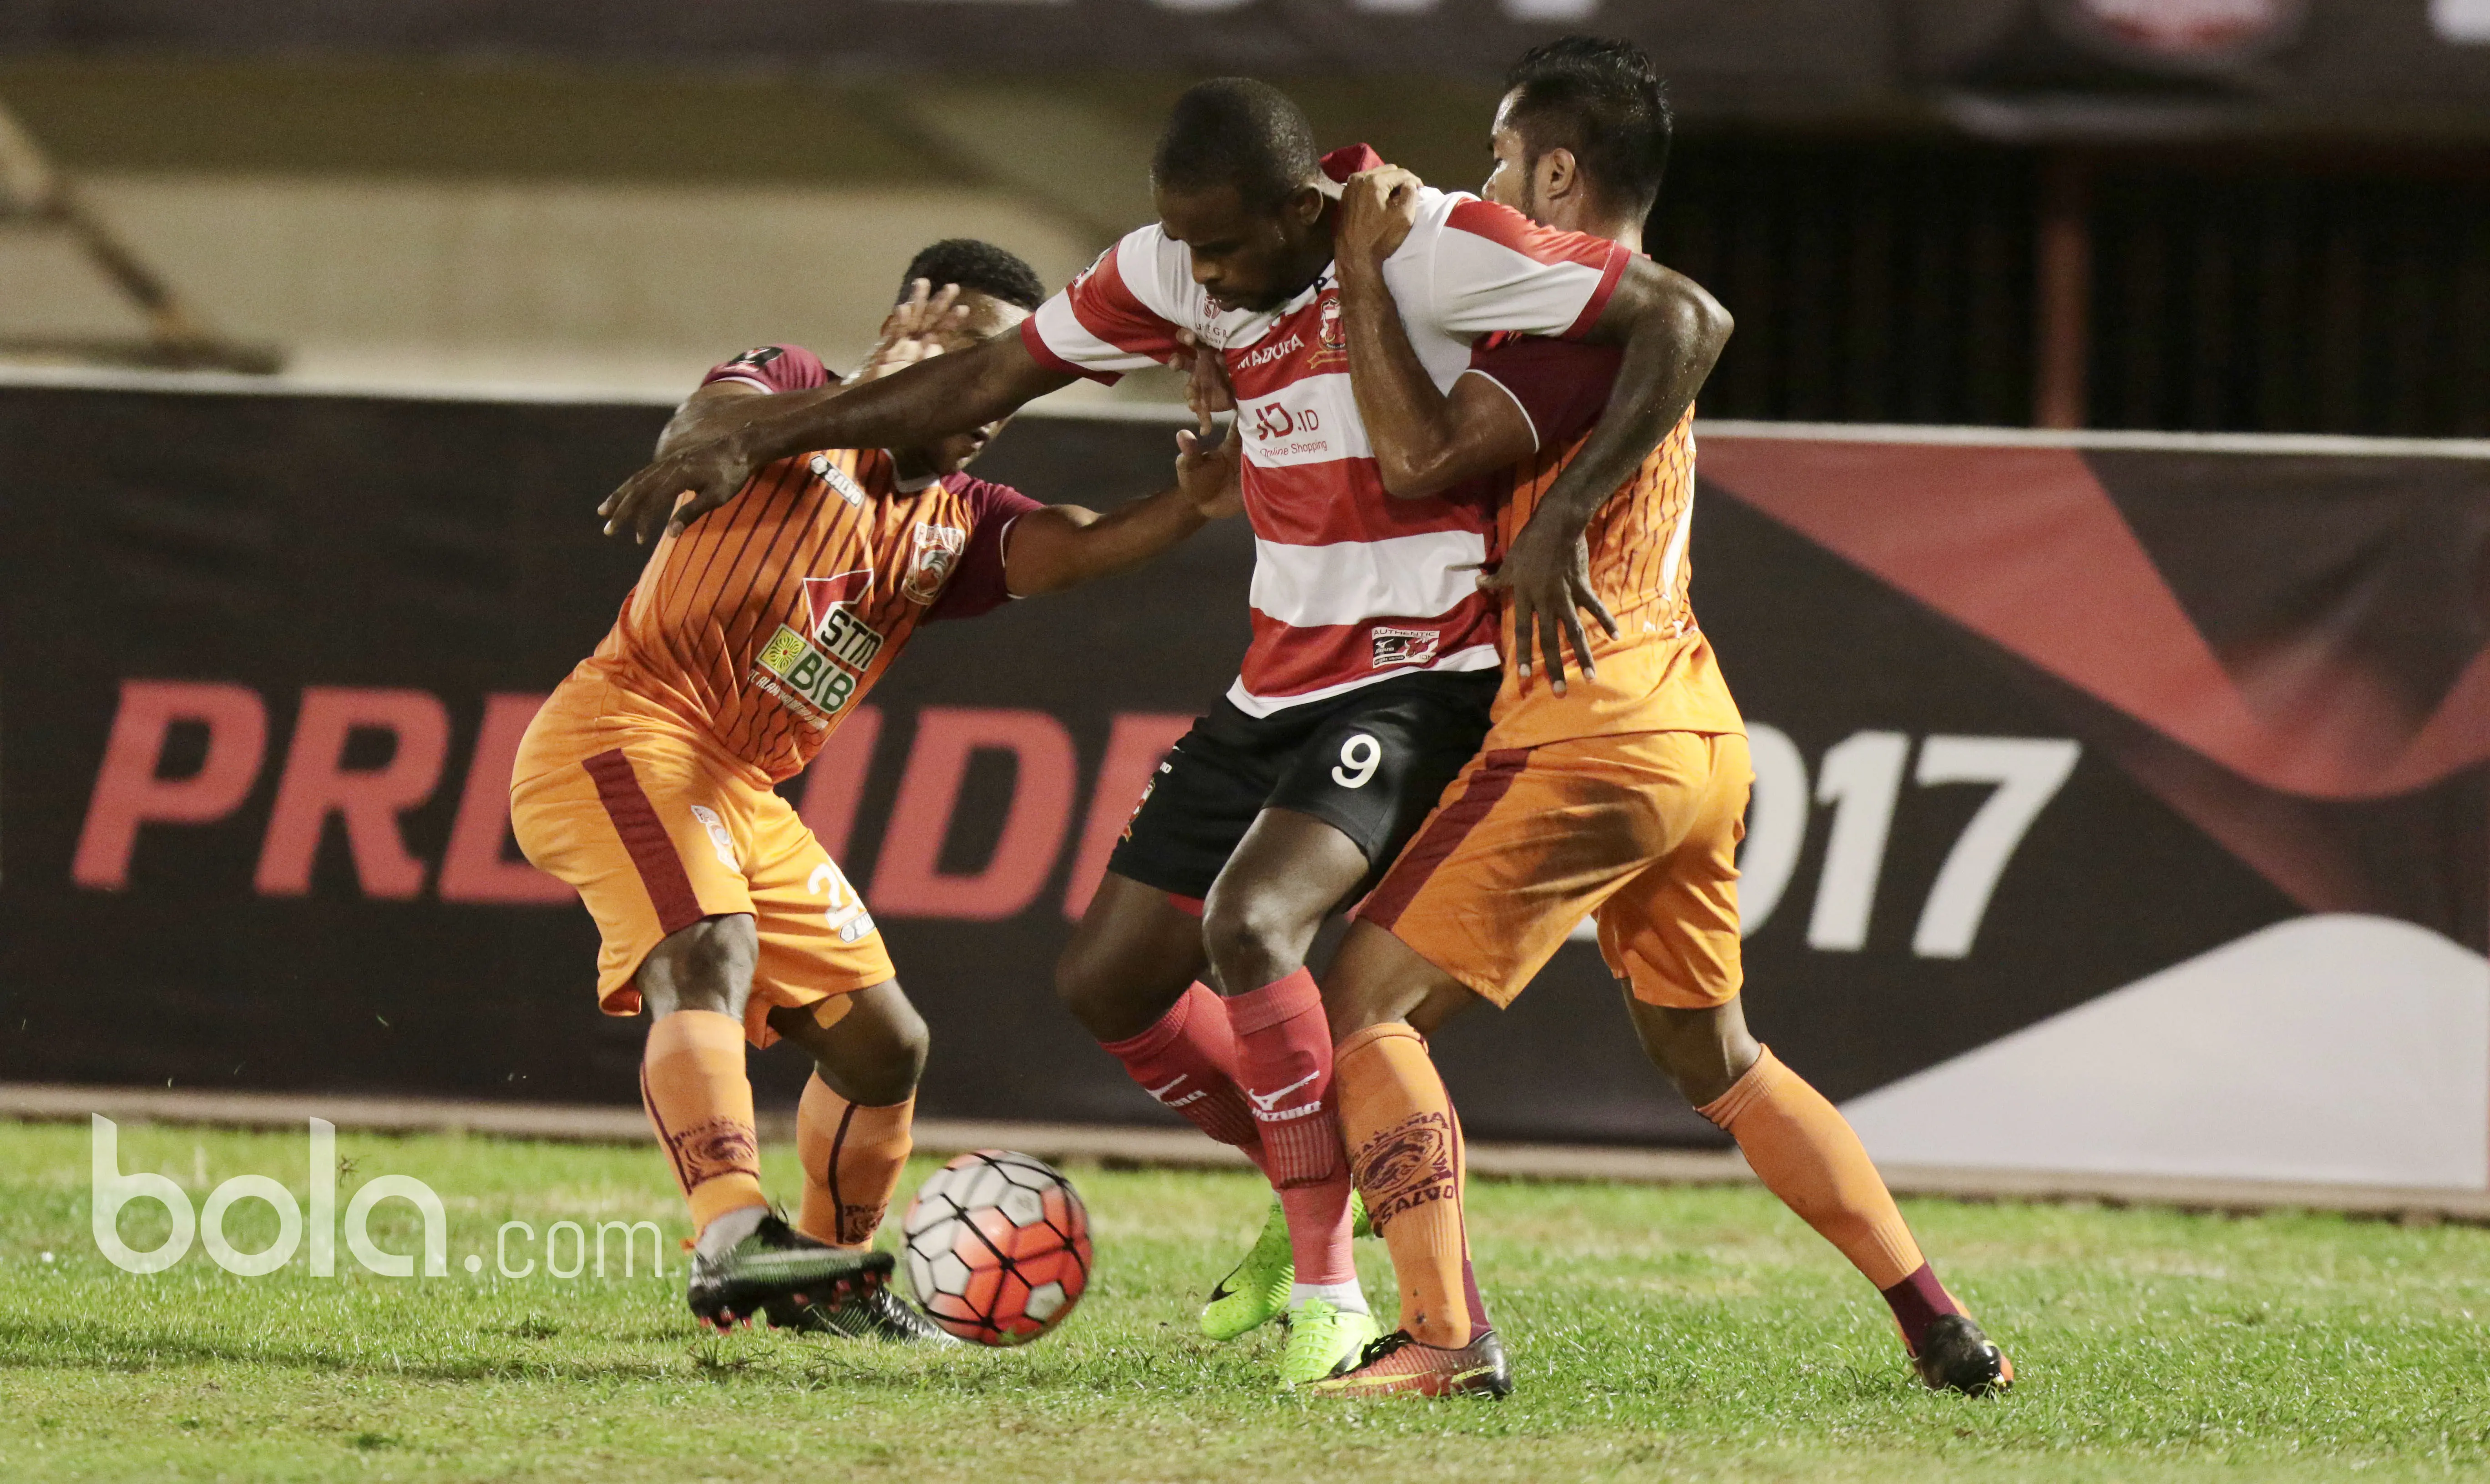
(2134, 790)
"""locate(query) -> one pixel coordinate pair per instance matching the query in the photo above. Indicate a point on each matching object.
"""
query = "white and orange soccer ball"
(997, 1247)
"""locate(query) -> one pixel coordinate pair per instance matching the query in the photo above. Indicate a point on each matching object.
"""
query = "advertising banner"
(2118, 808)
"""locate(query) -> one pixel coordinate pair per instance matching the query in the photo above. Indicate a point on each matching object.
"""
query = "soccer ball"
(997, 1247)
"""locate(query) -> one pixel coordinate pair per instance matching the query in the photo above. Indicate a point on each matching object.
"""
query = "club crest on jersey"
(836, 478)
(1405, 647)
(815, 675)
(1327, 329)
(935, 552)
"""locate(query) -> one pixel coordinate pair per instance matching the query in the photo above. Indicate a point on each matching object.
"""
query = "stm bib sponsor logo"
(936, 551)
(837, 479)
(817, 676)
(1406, 646)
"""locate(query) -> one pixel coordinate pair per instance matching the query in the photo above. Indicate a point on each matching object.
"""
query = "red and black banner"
(2117, 807)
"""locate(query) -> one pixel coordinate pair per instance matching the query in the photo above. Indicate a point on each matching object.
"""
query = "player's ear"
(1559, 176)
(1305, 206)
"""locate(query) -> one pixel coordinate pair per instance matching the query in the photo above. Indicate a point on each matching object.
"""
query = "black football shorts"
(1371, 763)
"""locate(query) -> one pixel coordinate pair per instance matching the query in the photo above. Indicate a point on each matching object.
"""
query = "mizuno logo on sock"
(1266, 1099)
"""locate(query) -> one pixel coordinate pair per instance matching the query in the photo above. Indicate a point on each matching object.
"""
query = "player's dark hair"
(1237, 132)
(980, 265)
(1602, 100)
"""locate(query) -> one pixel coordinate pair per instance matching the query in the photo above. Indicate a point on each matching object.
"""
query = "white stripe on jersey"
(1066, 335)
(1476, 657)
(1353, 581)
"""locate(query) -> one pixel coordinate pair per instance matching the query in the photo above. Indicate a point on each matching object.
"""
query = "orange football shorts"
(1638, 832)
(656, 828)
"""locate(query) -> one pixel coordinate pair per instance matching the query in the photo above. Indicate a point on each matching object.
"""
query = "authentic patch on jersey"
(815, 677)
(1406, 646)
(936, 553)
(836, 478)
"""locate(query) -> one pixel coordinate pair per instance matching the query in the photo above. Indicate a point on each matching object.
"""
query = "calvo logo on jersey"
(935, 552)
(816, 675)
(837, 478)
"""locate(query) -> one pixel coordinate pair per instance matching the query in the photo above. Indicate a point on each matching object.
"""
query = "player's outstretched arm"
(1673, 332)
(929, 399)
(1063, 546)
(1424, 440)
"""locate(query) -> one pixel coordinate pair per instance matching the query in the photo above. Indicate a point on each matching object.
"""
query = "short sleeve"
(1115, 316)
(773, 368)
(977, 586)
(1562, 386)
(1493, 268)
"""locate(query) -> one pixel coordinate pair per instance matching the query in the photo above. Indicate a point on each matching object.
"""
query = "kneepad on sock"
(852, 1155)
(700, 1101)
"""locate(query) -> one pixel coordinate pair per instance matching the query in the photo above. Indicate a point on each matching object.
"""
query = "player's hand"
(1206, 389)
(1377, 207)
(1546, 579)
(919, 328)
(1208, 469)
(708, 471)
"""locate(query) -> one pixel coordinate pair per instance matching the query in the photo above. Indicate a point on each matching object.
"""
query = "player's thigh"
(1378, 764)
(636, 825)
(1527, 844)
(818, 941)
(1671, 933)
(869, 1044)
(1290, 872)
(1376, 980)
(1130, 957)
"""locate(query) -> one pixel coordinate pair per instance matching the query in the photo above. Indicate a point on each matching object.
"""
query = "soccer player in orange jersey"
(1619, 796)
(645, 783)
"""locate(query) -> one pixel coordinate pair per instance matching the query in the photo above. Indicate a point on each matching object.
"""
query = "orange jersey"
(1659, 673)
(763, 624)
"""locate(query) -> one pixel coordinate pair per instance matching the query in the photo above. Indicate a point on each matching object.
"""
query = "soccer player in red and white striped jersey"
(1373, 662)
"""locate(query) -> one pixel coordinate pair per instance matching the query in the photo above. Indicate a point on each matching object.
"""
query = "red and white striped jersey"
(1350, 585)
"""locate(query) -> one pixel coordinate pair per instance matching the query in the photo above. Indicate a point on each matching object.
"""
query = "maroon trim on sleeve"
(773, 367)
(1600, 296)
(1562, 385)
(977, 585)
(1342, 164)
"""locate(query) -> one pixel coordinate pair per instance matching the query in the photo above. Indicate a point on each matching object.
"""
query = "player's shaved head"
(980, 267)
(1601, 100)
(1238, 134)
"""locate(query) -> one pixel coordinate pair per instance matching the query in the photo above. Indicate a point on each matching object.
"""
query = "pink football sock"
(1284, 1048)
(1188, 1062)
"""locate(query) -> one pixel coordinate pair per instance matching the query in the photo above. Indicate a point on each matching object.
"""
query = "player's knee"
(704, 966)
(1242, 925)
(891, 1074)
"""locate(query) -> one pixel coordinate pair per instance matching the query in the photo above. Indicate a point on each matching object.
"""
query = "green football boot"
(1323, 1342)
(1256, 1290)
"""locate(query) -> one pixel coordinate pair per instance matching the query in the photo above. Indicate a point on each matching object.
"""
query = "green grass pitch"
(1656, 1334)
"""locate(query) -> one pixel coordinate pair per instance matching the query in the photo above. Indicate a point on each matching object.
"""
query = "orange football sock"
(1404, 1145)
(693, 1085)
(852, 1155)
(1805, 1153)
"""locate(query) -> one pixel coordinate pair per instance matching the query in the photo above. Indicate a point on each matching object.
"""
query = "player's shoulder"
(983, 500)
(1149, 270)
(1467, 220)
